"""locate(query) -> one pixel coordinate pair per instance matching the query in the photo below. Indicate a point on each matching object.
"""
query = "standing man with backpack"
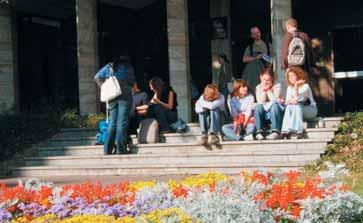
(296, 48)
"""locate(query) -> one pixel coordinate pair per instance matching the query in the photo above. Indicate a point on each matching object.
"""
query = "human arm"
(261, 95)
(284, 50)
(247, 57)
(198, 105)
(102, 74)
(210, 105)
(247, 107)
(234, 107)
(274, 93)
(169, 105)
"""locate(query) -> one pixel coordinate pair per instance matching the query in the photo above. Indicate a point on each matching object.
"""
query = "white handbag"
(110, 89)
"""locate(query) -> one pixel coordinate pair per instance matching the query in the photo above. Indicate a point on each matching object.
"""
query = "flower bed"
(250, 197)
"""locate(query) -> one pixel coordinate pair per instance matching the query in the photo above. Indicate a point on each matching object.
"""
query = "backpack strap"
(106, 111)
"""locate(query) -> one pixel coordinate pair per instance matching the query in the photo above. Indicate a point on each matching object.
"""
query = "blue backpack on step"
(102, 132)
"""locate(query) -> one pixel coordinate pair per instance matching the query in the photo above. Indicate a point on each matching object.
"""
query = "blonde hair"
(291, 22)
(300, 73)
(237, 84)
(211, 92)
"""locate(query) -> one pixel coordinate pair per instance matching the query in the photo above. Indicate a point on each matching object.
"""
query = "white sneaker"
(273, 136)
(259, 136)
(248, 137)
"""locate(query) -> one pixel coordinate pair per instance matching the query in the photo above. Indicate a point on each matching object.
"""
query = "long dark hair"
(158, 84)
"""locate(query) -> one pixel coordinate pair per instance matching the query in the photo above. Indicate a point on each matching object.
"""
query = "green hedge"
(347, 147)
(19, 131)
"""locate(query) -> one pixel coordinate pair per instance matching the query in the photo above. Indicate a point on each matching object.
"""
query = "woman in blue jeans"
(119, 108)
(210, 106)
(300, 103)
(241, 105)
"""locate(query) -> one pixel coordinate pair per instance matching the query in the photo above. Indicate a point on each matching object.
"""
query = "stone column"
(220, 8)
(178, 40)
(8, 89)
(281, 10)
(87, 55)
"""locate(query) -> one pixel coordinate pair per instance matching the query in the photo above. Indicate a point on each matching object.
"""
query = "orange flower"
(180, 191)
(263, 179)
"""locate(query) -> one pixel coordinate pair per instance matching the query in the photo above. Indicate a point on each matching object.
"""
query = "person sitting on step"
(163, 105)
(139, 108)
(241, 105)
(269, 106)
(300, 103)
(210, 105)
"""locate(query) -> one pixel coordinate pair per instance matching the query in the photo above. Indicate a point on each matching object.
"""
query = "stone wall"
(178, 40)
(281, 10)
(87, 55)
(7, 62)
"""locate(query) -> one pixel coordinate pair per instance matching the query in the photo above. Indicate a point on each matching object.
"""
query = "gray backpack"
(149, 131)
(296, 53)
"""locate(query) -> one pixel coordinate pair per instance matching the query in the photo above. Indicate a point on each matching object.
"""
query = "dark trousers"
(163, 116)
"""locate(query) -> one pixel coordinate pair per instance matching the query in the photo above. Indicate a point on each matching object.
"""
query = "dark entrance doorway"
(199, 45)
(47, 57)
(141, 31)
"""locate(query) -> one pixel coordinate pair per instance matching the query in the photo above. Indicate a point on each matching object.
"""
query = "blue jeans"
(294, 116)
(274, 115)
(119, 111)
(210, 120)
(231, 135)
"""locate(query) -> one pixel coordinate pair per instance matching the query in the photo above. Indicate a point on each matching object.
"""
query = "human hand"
(259, 56)
(155, 100)
(280, 100)
(292, 101)
(266, 87)
(299, 82)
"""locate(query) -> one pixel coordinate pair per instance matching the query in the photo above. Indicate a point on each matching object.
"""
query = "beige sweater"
(272, 95)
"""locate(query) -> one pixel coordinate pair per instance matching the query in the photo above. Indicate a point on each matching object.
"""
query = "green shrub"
(347, 146)
(71, 119)
(20, 131)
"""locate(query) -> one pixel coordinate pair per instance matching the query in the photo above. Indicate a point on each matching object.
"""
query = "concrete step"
(328, 122)
(173, 148)
(311, 133)
(147, 169)
(176, 159)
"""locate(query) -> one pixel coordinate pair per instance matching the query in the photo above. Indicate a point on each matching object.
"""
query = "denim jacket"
(123, 74)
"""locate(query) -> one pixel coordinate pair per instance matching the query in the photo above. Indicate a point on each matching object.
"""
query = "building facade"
(54, 49)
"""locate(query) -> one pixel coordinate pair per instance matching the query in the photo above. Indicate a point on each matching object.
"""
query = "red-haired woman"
(210, 104)
(241, 105)
(300, 103)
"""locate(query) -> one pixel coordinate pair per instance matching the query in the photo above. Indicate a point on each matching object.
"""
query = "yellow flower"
(157, 216)
(204, 179)
(81, 219)
(142, 184)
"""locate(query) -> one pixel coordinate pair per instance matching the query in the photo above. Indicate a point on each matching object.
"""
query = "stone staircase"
(72, 153)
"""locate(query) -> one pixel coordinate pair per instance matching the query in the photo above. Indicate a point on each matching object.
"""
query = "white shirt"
(304, 93)
(203, 105)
